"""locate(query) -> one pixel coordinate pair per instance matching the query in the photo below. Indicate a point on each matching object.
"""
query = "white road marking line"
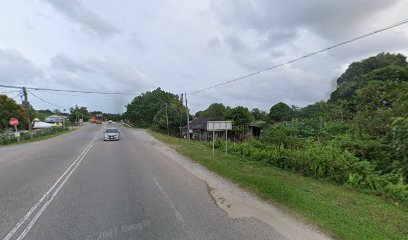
(22, 235)
(176, 212)
(33, 208)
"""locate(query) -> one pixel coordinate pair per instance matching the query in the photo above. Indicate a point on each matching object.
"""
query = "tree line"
(9, 108)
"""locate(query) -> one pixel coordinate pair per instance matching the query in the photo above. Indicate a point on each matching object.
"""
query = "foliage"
(78, 112)
(142, 110)
(214, 110)
(176, 113)
(241, 118)
(113, 116)
(43, 114)
(335, 208)
(357, 70)
(399, 142)
(8, 109)
(258, 114)
(280, 112)
(28, 136)
(357, 138)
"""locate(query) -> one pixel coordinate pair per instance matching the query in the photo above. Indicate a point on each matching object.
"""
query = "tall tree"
(78, 112)
(10, 109)
(280, 112)
(143, 108)
(174, 114)
(257, 114)
(214, 110)
(241, 118)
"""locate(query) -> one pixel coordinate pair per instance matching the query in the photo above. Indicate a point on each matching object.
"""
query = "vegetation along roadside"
(38, 136)
(341, 211)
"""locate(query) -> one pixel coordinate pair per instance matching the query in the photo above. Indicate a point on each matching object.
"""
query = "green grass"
(39, 138)
(341, 212)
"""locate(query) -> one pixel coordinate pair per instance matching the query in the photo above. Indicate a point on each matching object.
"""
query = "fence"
(8, 138)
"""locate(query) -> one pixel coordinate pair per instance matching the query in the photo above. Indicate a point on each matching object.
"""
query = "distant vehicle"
(98, 122)
(110, 121)
(111, 134)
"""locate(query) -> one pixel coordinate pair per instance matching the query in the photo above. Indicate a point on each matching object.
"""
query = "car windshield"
(111, 130)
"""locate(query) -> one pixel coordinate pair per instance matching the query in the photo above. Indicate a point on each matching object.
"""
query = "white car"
(110, 121)
(111, 134)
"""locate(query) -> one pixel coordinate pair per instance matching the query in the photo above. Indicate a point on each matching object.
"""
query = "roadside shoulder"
(235, 201)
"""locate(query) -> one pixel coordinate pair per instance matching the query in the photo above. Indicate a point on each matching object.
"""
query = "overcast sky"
(184, 45)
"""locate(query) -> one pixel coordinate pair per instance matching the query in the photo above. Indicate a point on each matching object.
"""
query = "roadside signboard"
(14, 122)
(220, 126)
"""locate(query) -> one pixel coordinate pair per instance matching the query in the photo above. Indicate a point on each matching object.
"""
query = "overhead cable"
(303, 57)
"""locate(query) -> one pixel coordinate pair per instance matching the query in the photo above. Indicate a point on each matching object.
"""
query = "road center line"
(63, 176)
(173, 207)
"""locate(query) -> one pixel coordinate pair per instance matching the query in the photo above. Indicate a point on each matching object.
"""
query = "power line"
(75, 95)
(10, 91)
(305, 56)
(74, 91)
(18, 95)
(45, 100)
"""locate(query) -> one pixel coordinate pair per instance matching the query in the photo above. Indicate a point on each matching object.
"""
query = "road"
(76, 186)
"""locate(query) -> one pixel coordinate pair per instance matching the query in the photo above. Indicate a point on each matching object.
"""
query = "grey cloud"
(16, 69)
(214, 43)
(136, 42)
(106, 74)
(75, 11)
(63, 62)
(331, 19)
(258, 28)
(121, 76)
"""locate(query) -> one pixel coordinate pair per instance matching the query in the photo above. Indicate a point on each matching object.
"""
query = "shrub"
(336, 162)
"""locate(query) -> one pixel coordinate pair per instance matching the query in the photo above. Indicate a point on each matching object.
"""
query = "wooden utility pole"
(26, 104)
(188, 117)
(167, 121)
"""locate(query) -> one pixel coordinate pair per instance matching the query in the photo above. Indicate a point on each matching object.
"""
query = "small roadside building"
(255, 129)
(198, 128)
(55, 119)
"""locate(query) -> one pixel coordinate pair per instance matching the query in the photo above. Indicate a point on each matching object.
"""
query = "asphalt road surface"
(76, 186)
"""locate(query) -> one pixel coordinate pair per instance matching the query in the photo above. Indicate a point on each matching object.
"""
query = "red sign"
(14, 122)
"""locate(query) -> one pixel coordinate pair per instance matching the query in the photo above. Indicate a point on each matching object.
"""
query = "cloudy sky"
(184, 45)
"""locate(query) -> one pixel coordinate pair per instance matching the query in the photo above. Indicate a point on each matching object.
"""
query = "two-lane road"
(77, 186)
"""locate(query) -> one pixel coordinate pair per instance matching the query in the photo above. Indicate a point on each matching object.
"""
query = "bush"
(336, 162)
(7, 139)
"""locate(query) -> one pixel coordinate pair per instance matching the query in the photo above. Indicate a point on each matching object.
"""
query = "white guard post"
(220, 126)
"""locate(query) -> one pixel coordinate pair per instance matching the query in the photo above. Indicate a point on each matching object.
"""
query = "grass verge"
(341, 212)
(40, 138)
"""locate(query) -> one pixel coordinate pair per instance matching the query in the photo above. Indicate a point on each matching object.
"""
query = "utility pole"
(167, 120)
(188, 117)
(26, 104)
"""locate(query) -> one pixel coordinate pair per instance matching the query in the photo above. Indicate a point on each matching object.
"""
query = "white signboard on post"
(220, 126)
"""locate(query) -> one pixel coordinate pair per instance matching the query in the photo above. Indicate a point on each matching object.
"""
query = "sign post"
(14, 122)
(220, 126)
(226, 141)
(213, 142)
